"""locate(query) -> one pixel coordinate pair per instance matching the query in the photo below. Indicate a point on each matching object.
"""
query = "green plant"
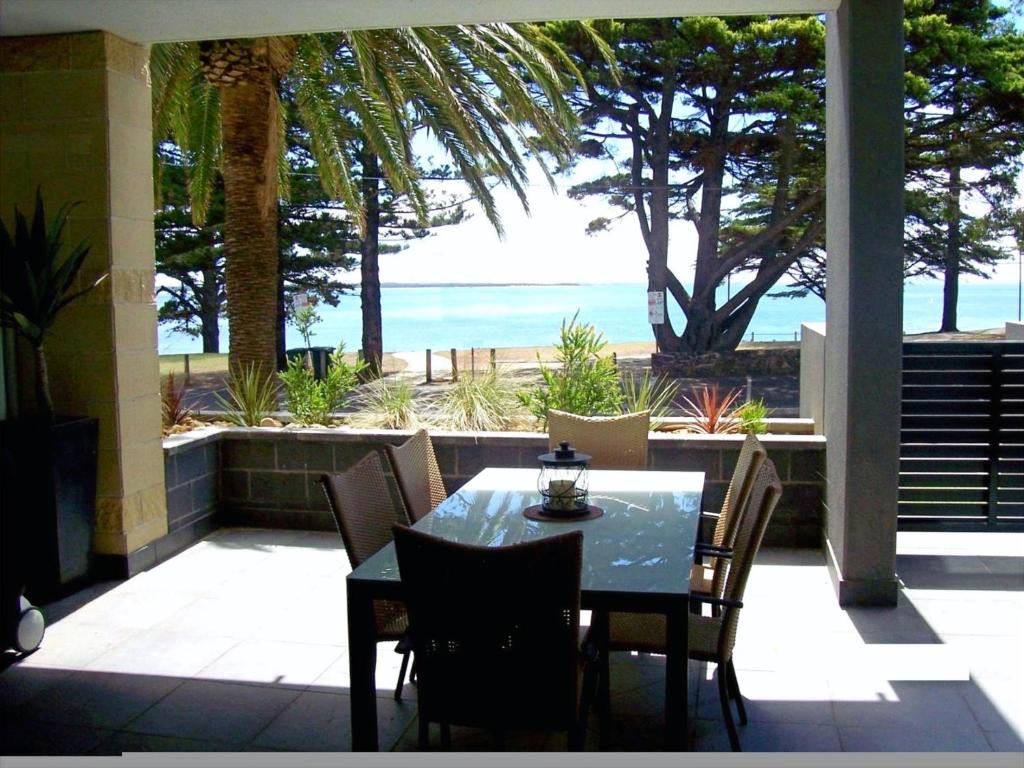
(586, 383)
(35, 284)
(644, 393)
(252, 396)
(753, 416)
(304, 319)
(710, 411)
(172, 403)
(386, 405)
(485, 403)
(314, 402)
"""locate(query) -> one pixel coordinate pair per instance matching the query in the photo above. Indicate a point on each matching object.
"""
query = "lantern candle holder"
(562, 482)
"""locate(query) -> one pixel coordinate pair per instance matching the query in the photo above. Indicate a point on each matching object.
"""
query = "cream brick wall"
(75, 119)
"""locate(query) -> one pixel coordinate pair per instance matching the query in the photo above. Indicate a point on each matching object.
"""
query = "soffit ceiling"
(151, 21)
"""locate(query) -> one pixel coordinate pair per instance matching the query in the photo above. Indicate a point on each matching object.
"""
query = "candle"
(562, 494)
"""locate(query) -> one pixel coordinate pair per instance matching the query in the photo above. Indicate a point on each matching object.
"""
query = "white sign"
(656, 307)
(300, 300)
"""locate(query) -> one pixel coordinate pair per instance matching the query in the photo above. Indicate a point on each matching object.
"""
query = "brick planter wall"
(192, 480)
(270, 477)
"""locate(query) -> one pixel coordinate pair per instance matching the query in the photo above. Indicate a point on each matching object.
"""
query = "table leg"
(362, 668)
(676, 679)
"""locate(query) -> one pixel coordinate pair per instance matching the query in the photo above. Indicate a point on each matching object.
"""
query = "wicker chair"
(707, 575)
(364, 513)
(613, 442)
(711, 638)
(419, 478)
(496, 634)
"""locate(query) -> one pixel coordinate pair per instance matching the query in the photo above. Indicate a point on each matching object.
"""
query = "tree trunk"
(246, 72)
(951, 271)
(281, 332)
(369, 267)
(209, 312)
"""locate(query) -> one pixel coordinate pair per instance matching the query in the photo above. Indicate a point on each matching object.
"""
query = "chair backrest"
(419, 477)
(363, 508)
(751, 457)
(613, 442)
(495, 630)
(764, 495)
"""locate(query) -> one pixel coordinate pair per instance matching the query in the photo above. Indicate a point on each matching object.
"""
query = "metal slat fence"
(962, 436)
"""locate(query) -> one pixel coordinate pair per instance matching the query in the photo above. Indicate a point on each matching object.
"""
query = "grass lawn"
(198, 363)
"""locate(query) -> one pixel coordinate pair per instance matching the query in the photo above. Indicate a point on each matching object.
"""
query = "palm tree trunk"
(369, 266)
(249, 119)
(247, 72)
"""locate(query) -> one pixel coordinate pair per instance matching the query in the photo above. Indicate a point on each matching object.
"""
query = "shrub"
(644, 393)
(252, 396)
(304, 319)
(386, 405)
(485, 403)
(314, 402)
(586, 383)
(752, 416)
(711, 411)
(172, 403)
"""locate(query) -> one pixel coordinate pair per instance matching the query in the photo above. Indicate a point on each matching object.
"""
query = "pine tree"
(965, 139)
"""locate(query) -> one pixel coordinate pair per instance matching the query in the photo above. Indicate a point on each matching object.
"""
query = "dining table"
(637, 557)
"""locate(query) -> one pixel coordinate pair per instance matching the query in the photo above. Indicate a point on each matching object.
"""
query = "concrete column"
(864, 312)
(75, 118)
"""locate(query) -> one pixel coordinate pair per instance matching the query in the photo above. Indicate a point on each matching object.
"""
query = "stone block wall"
(774, 358)
(192, 479)
(271, 477)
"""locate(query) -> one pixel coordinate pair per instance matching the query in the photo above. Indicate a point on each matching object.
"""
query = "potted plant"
(49, 460)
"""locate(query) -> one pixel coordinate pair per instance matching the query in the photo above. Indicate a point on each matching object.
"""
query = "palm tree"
(486, 93)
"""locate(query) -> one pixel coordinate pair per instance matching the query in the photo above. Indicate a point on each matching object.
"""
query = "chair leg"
(424, 733)
(412, 670)
(734, 691)
(401, 676)
(446, 736)
(723, 695)
(577, 734)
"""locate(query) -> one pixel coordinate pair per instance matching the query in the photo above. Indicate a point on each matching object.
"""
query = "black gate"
(962, 436)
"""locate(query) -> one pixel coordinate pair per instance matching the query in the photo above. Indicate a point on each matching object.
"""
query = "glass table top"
(642, 544)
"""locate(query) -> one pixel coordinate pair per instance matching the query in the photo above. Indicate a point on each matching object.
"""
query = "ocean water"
(441, 317)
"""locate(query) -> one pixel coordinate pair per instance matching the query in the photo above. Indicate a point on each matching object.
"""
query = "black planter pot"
(49, 505)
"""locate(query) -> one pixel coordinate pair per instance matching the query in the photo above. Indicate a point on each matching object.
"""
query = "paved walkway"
(239, 643)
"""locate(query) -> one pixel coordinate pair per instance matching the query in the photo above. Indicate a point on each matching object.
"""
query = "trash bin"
(321, 356)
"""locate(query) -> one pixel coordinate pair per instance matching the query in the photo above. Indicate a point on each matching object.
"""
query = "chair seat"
(645, 632)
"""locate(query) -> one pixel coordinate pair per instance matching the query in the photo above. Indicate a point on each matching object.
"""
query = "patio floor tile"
(319, 722)
(272, 662)
(240, 643)
(898, 738)
(175, 654)
(229, 713)
(100, 699)
(31, 737)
